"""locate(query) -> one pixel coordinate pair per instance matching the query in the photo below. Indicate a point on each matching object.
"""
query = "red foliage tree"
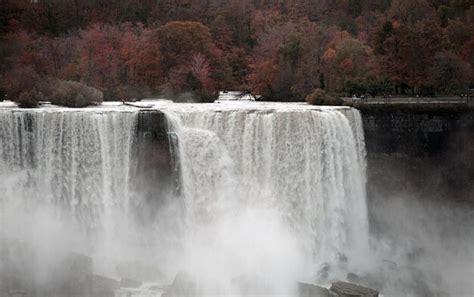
(180, 42)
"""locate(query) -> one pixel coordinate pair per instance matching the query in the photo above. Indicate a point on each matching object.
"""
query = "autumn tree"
(312, 71)
(99, 58)
(121, 61)
(458, 33)
(140, 69)
(294, 51)
(280, 49)
(180, 43)
(409, 51)
(263, 79)
(468, 56)
(350, 62)
(410, 11)
(231, 62)
(449, 72)
(382, 33)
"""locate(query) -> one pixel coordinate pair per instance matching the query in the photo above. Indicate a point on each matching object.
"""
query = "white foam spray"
(271, 194)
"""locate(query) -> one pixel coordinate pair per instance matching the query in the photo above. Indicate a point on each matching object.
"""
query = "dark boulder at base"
(310, 290)
(354, 278)
(323, 272)
(370, 280)
(343, 289)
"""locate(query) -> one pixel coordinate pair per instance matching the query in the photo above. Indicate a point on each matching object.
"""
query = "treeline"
(189, 49)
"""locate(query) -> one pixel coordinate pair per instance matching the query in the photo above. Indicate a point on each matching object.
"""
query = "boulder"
(323, 272)
(370, 280)
(353, 278)
(344, 289)
(310, 290)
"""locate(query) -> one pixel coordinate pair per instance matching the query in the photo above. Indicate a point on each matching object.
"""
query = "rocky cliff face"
(155, 172)
(426, 154)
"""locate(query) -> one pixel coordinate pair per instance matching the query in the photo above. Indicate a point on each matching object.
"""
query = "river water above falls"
(268, 194)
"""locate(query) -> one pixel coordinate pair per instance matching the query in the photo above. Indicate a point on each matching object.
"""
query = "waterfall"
(269, 193)
(292, 178)
(64, 177)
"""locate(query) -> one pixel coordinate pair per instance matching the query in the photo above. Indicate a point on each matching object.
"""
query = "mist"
(238, 199)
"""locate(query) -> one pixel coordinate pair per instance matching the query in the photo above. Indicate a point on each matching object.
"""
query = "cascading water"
(269, 192)
(273, 193)
(64, 180)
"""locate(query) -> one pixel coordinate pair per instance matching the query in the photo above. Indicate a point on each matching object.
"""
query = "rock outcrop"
(344, 289)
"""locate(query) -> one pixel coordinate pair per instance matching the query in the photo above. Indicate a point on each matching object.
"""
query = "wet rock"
(323, 272)
(310, 290)
(342, 258)
(370, 280)
(342, 261)
(344, 289)
(353, 278)
(129, 283)
(182, 286)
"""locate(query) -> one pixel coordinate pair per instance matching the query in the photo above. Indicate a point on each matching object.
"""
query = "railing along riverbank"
(412, 103)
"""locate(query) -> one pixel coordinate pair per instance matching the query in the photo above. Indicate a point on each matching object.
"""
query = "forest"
(74, 51)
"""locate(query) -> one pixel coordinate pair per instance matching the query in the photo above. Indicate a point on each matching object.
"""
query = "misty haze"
(300, 148)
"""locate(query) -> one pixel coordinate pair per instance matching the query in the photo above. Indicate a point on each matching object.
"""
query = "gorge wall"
(420, 173)
(427, 153)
